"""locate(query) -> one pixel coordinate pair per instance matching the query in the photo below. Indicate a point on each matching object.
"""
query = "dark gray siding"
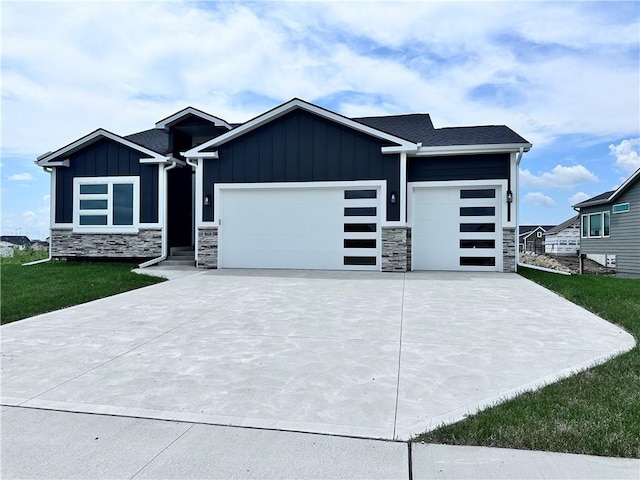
(106, 158)
(624, 239)
(302, 147)
(458, 167)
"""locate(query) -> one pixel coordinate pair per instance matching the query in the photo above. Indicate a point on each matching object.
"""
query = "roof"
(525, 229)
(413, 127)
(419, 128)
(190, 111)
(155, 139)
(563, 225)
(16, 239)
(611, 195)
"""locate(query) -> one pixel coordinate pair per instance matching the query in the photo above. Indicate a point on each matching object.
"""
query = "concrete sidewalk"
(63, 445)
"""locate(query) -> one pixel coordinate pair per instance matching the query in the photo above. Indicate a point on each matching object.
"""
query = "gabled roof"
(526, 230)
(189, 111)
(204, 150)
(563, 225)
(607, 197)
(59, 158)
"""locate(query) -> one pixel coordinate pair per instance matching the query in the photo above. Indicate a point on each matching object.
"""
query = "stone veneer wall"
(396, 249)
(147, 243)
(509, 249)
(208, 247)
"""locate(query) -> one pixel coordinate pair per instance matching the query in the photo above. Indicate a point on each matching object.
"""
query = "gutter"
(165, 234)
(48, 259)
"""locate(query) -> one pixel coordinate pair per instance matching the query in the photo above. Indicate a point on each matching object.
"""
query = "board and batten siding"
(458, 167)
(302, 147)
(106, 158)
(624, 239)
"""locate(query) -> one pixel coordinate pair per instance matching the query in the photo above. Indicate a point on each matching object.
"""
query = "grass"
(596, 412)
(29, 291)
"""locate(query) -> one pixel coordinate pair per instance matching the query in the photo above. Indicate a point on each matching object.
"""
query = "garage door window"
(360, 227)
(477, 211)
(360, 211)
(477, 261)
(478, 227)
(477, 244)
(351, 194)
(478, 193)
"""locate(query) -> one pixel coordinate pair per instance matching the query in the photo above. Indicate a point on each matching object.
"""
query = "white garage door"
(456, 229)
(331, 228)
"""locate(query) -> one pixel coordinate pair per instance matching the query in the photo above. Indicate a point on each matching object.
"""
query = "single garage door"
(334, 228)
(456, 228)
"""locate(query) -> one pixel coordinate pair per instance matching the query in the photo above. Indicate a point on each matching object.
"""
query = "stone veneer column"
(147, 243)
(208, 247)
(396, 249)
(509, 249)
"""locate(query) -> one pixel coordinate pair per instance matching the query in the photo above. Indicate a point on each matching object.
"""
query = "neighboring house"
(563, 239)
(18, 241)
(531, 238)
(6, 249)
(297, 187)
(610, 227)
(39, 245)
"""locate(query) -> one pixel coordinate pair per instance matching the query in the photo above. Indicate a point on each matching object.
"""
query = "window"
(481, 193)
(595, 225)
(106, 204)
(620, 208)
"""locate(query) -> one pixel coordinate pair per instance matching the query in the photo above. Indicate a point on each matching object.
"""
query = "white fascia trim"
(288, 107)
(485, 148)
(48, 160)
(501, 183)
(363, 184)
(213, 155)
(218, 122)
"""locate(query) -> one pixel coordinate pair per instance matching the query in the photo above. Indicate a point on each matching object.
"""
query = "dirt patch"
(570, 264)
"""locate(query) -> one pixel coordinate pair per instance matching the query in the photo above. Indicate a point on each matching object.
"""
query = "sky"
(564, 75)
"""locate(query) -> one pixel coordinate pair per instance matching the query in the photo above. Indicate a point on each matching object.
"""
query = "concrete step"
(181, 251)
(178, 262)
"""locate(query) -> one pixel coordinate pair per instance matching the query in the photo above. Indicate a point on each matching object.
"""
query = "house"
(531, 238)
(18, 241)
(39, 246)
(297, 187)
(6, 249)
(610, 227)
(563, 239)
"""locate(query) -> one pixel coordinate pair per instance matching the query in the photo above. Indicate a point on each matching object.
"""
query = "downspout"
(165, 215)
(48, 259)
(517, 232)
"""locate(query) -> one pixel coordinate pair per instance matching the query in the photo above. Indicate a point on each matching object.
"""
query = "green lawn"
(28, 291)
(596, 412)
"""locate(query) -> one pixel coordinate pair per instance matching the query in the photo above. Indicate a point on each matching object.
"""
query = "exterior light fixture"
(207, 200)
(393, 197)
(509, 196)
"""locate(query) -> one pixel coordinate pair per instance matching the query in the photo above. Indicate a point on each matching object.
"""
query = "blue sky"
(565, 75)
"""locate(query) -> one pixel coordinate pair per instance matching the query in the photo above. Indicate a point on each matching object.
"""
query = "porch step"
(180, 257)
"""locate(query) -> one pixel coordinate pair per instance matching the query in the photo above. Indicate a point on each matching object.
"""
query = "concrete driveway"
(373, 355)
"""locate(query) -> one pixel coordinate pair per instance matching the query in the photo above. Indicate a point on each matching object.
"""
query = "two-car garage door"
(308, 227)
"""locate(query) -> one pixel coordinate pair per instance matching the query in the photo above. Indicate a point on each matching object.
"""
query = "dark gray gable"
(413, 127)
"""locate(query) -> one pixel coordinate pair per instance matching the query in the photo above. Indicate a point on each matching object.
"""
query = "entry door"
(456, 228)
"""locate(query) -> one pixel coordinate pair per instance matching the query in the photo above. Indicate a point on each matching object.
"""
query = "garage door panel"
(455, 229)
(294, 227)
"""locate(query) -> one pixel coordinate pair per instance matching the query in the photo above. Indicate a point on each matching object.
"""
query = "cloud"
(559, 177)
(540, 199)
(29, 214)
(101, 64)
(21, 177)
(578, 197)
(626, 153)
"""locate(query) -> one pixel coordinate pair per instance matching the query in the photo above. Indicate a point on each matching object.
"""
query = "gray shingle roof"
(419, 128)
(602, 196)
(156, 139)
(410, 127)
